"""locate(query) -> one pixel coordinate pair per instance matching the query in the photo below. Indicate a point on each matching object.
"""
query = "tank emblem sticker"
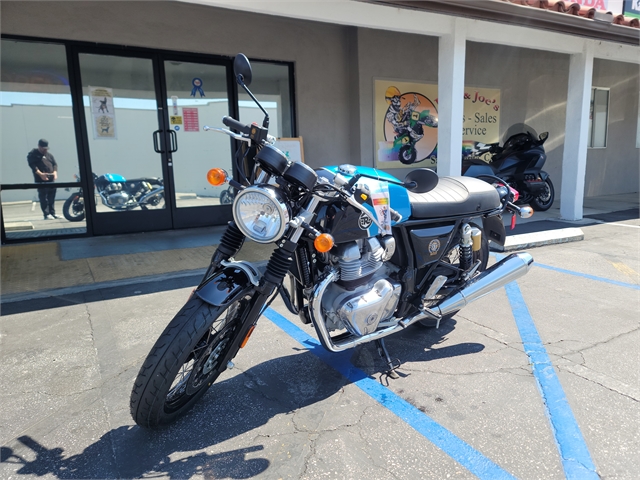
(364, 222)
(434, 246)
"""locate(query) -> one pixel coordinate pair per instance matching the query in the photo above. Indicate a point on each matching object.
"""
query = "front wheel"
(543, 202)
(73, 208)
(186, 359)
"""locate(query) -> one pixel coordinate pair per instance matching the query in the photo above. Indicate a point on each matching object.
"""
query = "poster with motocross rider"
(406, 122)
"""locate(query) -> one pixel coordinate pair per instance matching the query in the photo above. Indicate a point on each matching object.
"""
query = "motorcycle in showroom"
(366, 256)
(117, 193)
(518, 162)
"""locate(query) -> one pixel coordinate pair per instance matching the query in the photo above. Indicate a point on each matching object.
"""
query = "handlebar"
(236, 125)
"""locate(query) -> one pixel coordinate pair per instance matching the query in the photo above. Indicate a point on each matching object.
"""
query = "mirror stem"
(265, 122)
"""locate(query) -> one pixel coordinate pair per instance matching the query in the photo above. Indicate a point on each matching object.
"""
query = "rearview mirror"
(242, 69)
(543, 136)
(421, 180)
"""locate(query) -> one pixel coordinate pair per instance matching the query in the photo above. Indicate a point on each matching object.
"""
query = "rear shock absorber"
(466, 248)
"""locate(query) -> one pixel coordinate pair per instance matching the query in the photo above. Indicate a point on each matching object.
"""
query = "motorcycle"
(519, 162)
(366, 256)
(410, 131)
(117, 193)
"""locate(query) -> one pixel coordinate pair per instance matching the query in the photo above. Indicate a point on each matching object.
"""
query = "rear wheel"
(453, 257)
(543, 202)
(407, 154)
(187, 358)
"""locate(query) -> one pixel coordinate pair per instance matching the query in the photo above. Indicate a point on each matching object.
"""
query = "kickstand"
(382, 351)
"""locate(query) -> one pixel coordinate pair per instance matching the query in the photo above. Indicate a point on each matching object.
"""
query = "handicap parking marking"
(574, 454)
(588, 276)
(450, 444)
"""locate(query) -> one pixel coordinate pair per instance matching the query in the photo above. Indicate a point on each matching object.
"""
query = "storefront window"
(599, 118)
(35, 104)
(271, 87)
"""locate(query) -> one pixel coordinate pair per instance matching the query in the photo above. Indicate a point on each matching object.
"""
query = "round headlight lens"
(260, 214)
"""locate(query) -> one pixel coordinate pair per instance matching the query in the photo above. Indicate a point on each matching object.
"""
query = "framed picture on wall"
(292, 148)
(406, 122)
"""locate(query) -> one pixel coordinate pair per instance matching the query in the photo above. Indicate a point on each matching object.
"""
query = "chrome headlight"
(260, 213)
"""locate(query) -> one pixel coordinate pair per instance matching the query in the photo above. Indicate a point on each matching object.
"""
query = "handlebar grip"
(236, 125)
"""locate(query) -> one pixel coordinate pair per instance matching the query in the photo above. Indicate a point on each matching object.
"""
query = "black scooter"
(518, 162)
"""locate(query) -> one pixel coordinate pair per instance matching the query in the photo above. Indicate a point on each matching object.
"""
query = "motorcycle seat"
(454, 196)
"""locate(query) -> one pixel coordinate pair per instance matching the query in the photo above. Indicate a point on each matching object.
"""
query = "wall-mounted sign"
(631, 8)
(406, 122)
(102, 113)
(191, 122)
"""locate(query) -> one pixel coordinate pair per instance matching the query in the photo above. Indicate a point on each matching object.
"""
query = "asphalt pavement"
(537, 380)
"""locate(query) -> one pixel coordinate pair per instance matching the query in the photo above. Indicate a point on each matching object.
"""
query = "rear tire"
(482, 255)
(407, 154)
(184, 362)
(73, 208)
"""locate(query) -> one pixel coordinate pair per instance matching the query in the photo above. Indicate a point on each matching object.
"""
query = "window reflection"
(35, 103)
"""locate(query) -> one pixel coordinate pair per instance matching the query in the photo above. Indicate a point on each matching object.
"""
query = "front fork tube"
(230, 244)
(277, 268)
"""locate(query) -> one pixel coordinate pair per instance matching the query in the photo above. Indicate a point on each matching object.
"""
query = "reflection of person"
(45, 170)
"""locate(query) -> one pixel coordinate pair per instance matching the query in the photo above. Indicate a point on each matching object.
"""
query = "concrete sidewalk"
(36, 270)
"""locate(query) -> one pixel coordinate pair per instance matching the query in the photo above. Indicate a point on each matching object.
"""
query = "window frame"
(593, 124)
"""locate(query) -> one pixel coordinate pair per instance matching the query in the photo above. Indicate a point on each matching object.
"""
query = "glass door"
(197, 95)
(127, 144)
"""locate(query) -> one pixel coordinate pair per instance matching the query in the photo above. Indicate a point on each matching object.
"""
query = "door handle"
(156, 141)
(174, 141)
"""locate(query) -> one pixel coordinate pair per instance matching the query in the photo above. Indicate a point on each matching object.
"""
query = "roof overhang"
(514, 14)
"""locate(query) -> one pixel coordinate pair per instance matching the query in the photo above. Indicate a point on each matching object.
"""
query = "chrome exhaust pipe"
(505, 271)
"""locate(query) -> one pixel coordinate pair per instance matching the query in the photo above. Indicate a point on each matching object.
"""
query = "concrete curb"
(539, 239)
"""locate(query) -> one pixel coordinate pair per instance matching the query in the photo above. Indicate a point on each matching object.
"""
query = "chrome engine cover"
(362, 312)
(359, 308)
(119, 198)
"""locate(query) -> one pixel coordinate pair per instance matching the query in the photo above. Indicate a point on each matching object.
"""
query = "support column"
(574, 158)
(451, 58)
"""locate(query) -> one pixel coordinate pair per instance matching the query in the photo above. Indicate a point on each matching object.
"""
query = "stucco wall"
(335, 67)
(533, 86)
(317, 49)
(615, 169)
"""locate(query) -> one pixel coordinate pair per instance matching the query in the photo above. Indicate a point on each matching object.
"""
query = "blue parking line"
(590, 277)
(456, 448)
(574, 453)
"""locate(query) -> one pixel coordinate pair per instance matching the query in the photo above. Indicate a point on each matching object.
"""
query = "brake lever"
(237, 136)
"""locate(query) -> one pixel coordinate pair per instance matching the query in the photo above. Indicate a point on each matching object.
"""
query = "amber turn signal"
(323, 242)
(217, 177)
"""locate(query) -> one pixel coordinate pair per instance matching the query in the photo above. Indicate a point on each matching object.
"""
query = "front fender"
(225, 286)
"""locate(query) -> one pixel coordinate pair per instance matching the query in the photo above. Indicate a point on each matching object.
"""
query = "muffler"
(505, 271)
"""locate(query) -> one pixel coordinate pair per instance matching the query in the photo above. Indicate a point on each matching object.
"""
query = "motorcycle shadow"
(414, 344)
(272, 392)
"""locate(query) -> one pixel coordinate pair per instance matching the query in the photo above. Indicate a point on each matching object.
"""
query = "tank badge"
(434, 246)
(364, 222)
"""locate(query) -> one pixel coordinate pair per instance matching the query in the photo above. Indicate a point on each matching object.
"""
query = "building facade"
(322, 70)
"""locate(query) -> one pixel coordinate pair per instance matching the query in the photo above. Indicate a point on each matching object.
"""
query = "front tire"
(73, 208)
(184, 362)
(543, 202)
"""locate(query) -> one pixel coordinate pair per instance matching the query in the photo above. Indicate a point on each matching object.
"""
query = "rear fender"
(234, 280)
(494, 229)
